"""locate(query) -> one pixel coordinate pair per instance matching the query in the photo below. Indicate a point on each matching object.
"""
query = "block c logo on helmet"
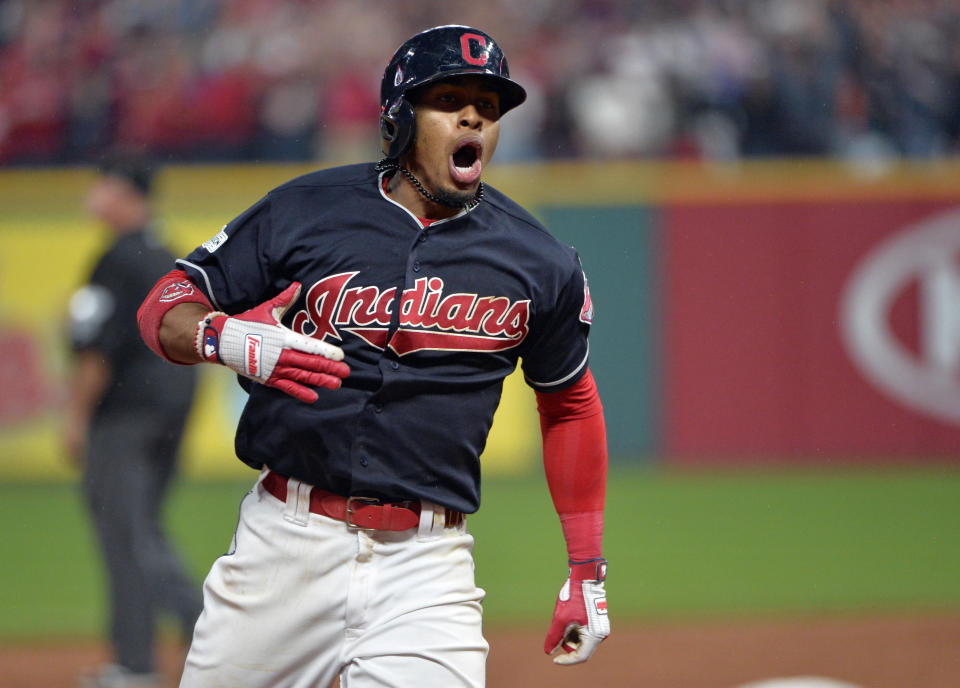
(479, 57)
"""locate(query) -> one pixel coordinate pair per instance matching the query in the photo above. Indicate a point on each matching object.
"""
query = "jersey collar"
(420, 224)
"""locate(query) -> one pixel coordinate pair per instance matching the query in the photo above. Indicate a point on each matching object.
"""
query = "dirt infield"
(880, 652)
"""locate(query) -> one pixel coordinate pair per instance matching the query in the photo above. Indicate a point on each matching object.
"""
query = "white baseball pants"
(301, 598)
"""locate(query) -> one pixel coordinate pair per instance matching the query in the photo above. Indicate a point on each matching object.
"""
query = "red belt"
(360, 512)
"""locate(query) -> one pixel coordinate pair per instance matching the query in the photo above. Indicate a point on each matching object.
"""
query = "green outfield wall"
(619, 256)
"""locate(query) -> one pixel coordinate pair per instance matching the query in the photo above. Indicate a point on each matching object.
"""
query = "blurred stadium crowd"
(298, 79)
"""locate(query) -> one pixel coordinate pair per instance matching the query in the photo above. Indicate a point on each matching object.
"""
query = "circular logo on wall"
(923, 256)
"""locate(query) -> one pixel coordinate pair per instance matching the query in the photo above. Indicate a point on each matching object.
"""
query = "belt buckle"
(349, 510)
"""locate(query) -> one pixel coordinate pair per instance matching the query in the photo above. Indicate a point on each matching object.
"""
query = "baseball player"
(372, 312)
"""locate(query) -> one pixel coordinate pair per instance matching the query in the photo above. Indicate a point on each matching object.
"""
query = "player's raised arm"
(575, 462)
(179, 324)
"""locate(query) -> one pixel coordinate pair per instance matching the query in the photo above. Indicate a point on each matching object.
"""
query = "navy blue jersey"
(431, 320)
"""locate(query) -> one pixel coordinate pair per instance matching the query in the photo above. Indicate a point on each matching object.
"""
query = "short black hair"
(132, 167)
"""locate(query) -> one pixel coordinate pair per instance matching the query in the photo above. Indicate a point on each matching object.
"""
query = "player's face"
(458, 124)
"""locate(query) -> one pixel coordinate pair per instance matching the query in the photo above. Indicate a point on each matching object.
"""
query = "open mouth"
(465, 163)
(466, 155)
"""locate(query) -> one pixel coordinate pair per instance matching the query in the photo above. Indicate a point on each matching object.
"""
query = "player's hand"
(257, 346)
(580, 620)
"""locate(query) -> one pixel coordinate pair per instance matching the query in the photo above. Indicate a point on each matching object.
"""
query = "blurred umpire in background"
(124, 421)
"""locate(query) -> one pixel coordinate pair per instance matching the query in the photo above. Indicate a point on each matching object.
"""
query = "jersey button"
(363, 461)
(423, 236)
(378, 408)
(395, 365)
(416, 266)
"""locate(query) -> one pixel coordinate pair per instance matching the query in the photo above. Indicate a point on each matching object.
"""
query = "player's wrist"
(594, 569)
(583, 534)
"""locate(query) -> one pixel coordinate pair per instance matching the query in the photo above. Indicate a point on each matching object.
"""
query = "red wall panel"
(754, 359)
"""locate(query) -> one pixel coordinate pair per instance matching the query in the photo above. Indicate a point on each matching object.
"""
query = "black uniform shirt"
(103, 318)
(477, 292)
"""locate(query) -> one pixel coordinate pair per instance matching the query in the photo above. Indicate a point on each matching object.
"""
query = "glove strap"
(591, 569)
(206, 342)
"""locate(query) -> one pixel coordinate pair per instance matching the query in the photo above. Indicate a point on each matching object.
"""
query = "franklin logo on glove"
(257, 346)
(254, 345)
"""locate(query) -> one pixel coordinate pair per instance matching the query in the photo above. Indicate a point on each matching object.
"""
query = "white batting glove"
(257, 346)
(580, 620)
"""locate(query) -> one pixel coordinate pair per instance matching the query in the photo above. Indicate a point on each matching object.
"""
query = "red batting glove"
(257, 346)
(580, 620)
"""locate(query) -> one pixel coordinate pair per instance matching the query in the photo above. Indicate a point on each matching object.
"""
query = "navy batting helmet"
(433, 55)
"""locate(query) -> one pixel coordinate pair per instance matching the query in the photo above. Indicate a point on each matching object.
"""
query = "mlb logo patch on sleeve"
(217, 241)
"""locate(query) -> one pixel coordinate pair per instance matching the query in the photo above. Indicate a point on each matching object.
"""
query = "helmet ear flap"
(397, 126)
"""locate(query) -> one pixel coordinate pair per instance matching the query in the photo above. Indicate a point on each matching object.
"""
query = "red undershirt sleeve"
(170, 290)
(575, 463)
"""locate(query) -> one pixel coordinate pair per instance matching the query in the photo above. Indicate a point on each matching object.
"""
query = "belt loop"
(264, 472)
(297, 508)
(428, 514)
(433, 519)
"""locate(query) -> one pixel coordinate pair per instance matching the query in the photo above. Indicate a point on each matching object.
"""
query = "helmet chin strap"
(392, 164)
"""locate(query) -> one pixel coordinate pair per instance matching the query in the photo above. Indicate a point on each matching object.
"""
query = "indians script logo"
(921, 260)
(428, 319)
